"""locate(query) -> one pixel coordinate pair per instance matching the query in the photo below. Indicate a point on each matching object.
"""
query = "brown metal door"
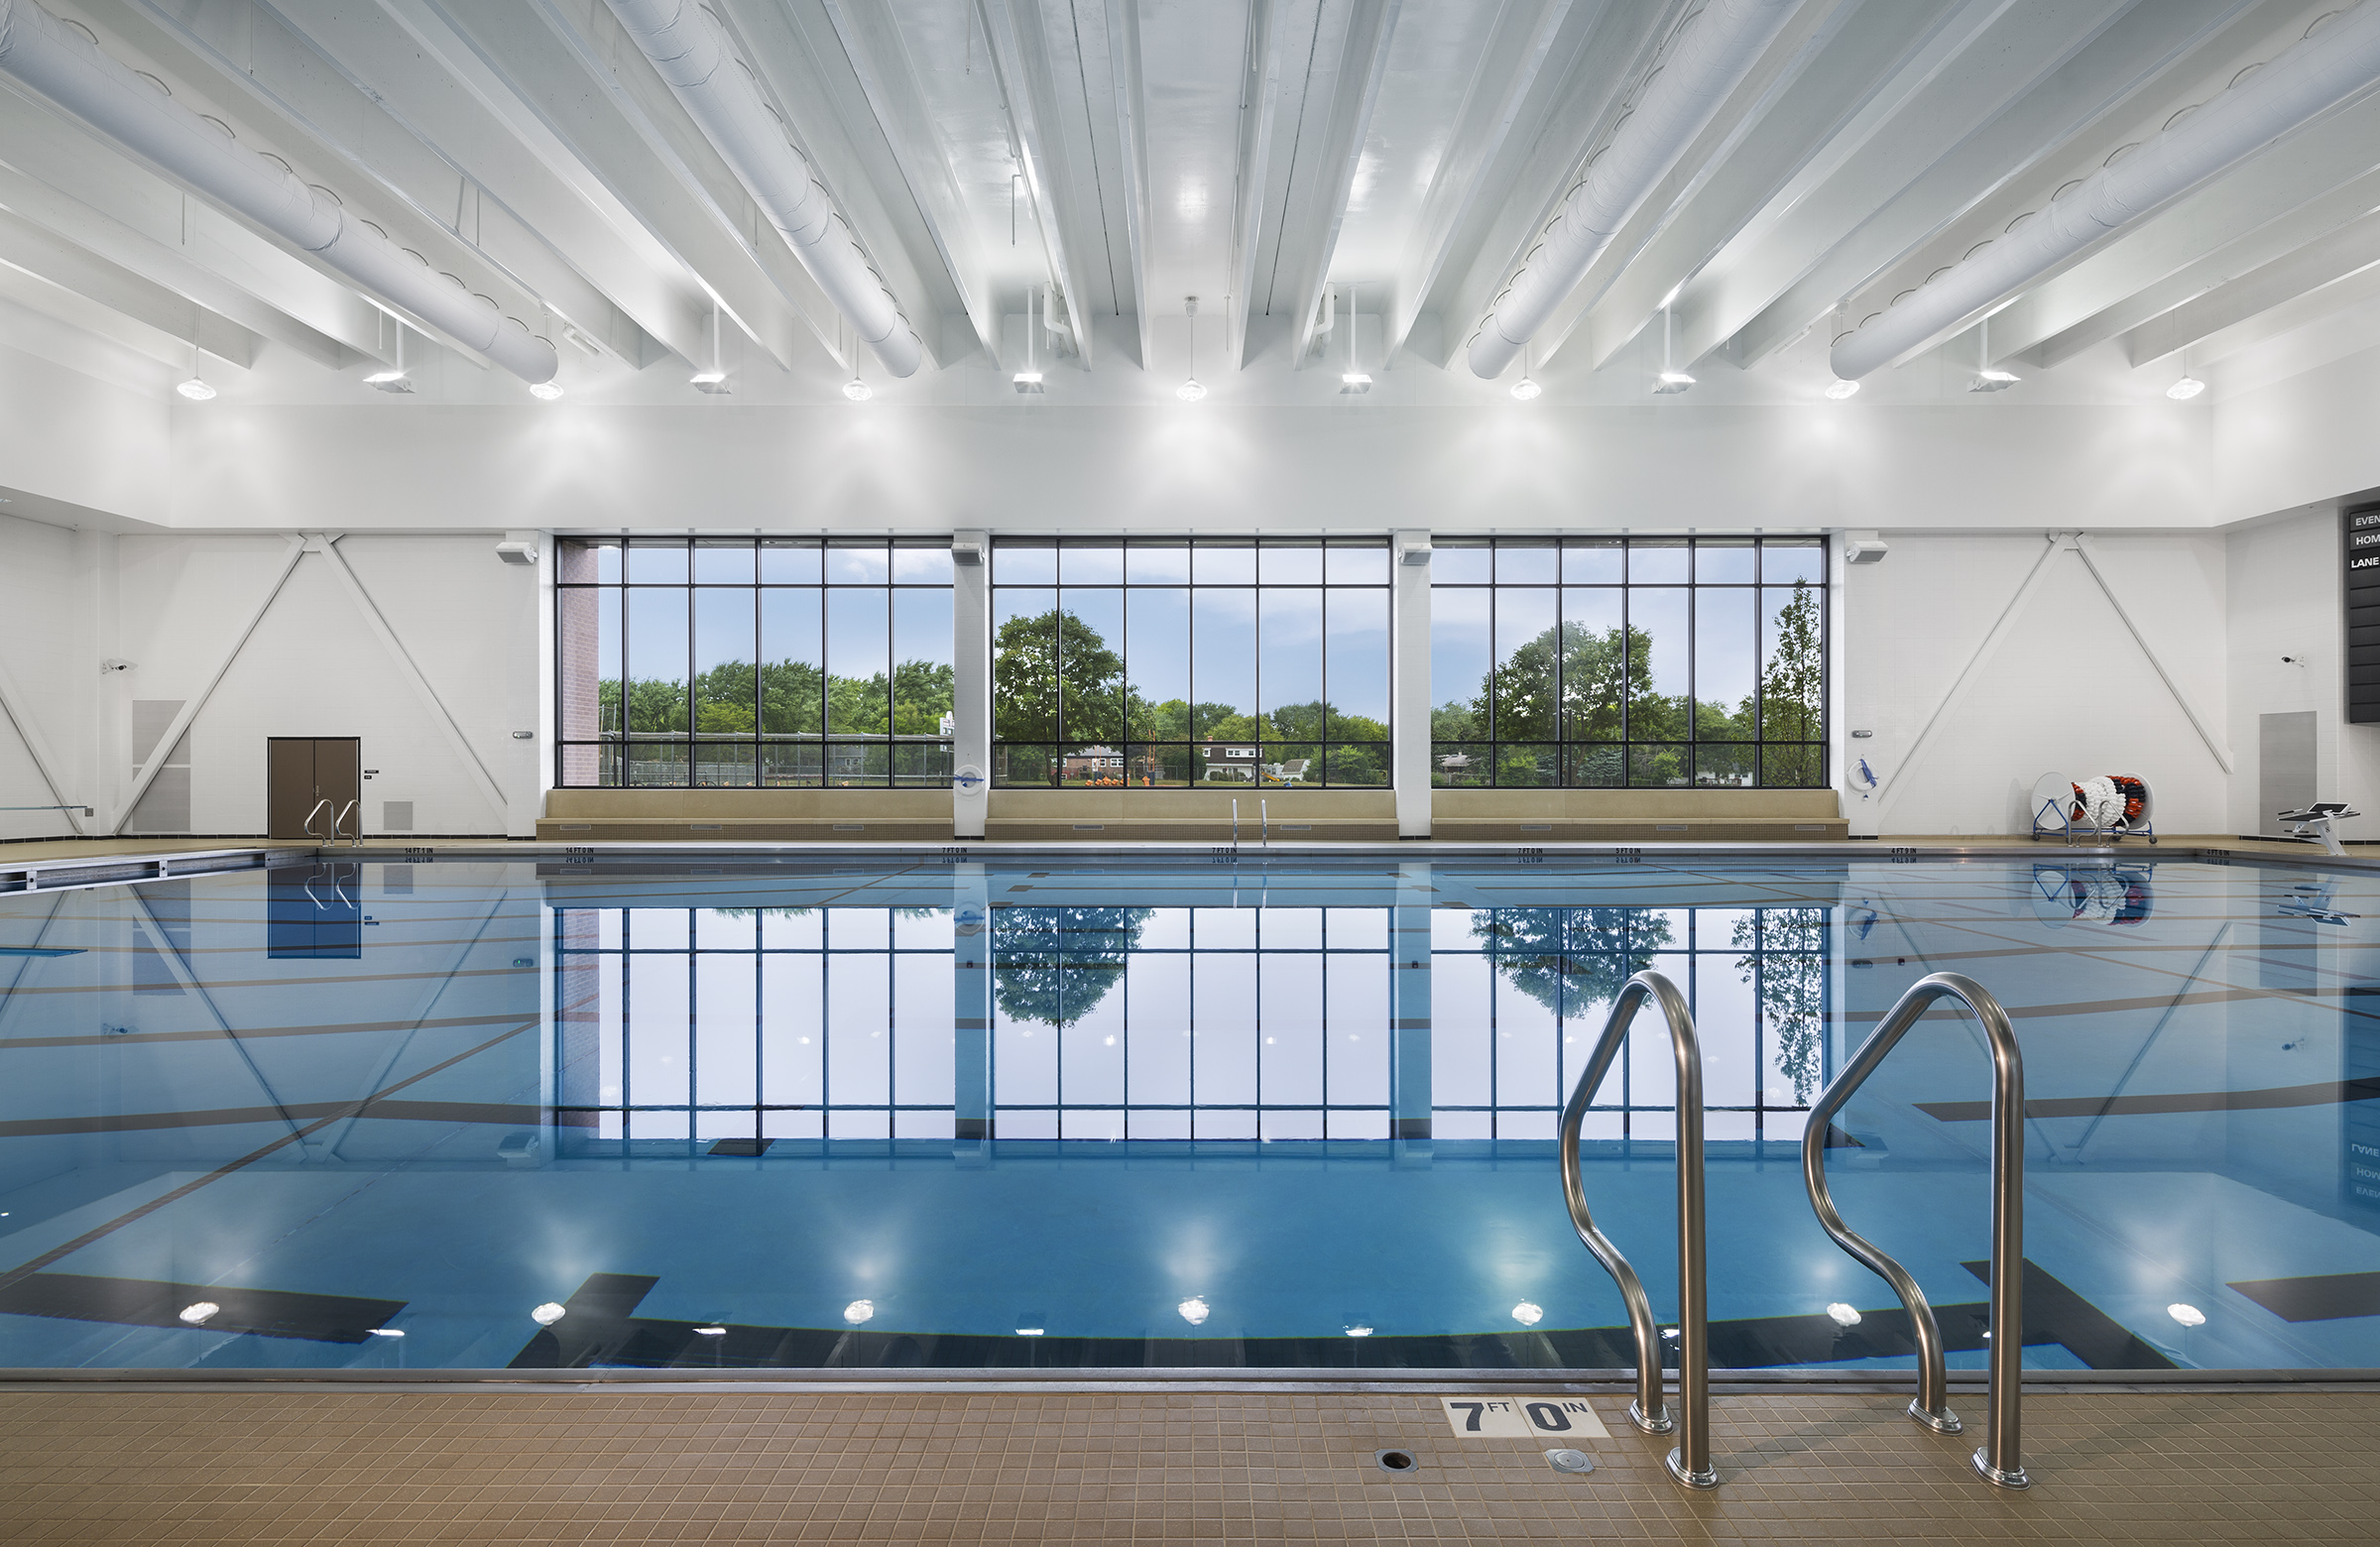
(302, 772)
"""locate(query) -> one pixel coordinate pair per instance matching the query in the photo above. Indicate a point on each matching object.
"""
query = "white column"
(971, 676)
(1410, 721)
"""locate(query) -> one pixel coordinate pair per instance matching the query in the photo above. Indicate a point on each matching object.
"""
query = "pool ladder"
(1998, 1461)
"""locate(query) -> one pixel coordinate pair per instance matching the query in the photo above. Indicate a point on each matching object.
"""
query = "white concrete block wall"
(2283, 580)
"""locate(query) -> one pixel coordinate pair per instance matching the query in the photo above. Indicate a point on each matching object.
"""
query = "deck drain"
(1569, 1460)
(1397, 1460)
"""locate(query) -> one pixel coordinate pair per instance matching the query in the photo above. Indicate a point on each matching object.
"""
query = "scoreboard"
(2359, 535)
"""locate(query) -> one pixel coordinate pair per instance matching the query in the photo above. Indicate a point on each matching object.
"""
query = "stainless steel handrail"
(1999, 1459)
(1690, 1463)
(308, 826)
(355, 839)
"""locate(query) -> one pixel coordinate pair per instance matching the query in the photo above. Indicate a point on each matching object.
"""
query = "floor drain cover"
(1570, 1461)
(1398, 1460)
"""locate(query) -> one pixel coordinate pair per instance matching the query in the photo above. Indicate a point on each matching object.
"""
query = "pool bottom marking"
(151, 1302)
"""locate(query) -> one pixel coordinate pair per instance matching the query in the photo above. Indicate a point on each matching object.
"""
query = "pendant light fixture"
(1029, 380)
(711, 379)
(1989, 379)
(1839, 390)
(1671, 380)
(1352, 382)
(1191, 390)
(393, 379)
(2189, 386)
(1527, 389)
(195, 388)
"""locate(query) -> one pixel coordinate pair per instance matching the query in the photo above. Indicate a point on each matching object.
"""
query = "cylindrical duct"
(65, 66)
(1710, 60)
(2305, 80)
(691, 52)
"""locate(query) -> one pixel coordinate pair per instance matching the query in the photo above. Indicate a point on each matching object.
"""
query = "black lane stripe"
(137, 1038)
(151, 1302)
(2327, 1092)
(25, 1271)
(2055, 1313)
(221, 1116)
(2320, 1297)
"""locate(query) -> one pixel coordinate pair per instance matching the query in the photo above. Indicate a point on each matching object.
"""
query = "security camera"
(111, 664)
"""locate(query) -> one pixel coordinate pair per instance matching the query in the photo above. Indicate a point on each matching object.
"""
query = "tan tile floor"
(615, 1467)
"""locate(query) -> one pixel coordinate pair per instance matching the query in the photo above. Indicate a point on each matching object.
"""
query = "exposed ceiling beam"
(1270, 34)
(1826, 67)
(2344, 252)
(2309, 223)
(46, 255)
(1318, 201)
(2083, 60)
(1132, 131)
(1020, 61)
(2354, 291)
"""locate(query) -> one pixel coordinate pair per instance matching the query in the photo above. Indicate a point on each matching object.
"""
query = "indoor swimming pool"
(1164, 1110)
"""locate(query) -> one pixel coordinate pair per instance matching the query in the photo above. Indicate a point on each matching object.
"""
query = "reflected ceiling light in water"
(1842, 1315)
(1669, 1333)
(196, 1314)
(386, 1331)
(1358, 1332)
(547, 1314)
(1528, 1314)
(2187, 1315)
(859, 1311)
(710, 1332)
(1028, 1332)
(1194, 1310)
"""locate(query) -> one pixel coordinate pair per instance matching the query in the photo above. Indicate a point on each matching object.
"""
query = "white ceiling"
(1126, 154)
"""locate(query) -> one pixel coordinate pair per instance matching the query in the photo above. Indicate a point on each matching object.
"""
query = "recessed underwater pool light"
(710, 1332)
(196, 1314)
(1528, 1314)
(1028, 1332)
(1194, 1310)
(1358, 1332)
(547, 1314)
(859, 1311)
(1842, 1315)
(1841, 389)
(2187, 1315)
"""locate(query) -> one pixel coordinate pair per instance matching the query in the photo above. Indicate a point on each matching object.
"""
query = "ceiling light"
(1355, 383)
(1839, 390)
(1026, 381)
(858, 391)
(710, 1332)
(393, 378)
(2182, 391)
(194, 389)
(2187, 1315)
(1528, 1314)
(544, 392)
(1527, 389)
(1987, 377)
(1191, 390)
(1669, 382)
(1029, 380)
(859, 1311)
(1842, 1315)
(711, 378)
(547, 1314)
(1194, 1310)
(198, 1313)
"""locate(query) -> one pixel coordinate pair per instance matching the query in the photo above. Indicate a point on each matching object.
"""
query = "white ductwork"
(1707, 63)
(64, 65)
(2305, 80)
(691, 51)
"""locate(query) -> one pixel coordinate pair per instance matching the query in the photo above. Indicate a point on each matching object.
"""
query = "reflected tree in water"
(1054, 965)
(1788, 968)
(1568, 958)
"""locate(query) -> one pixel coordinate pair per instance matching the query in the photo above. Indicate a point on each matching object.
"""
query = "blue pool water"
(871, 1112)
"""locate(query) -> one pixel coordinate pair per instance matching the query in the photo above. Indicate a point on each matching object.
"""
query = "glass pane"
(1462, 563)
(1151, 766)
(1593, 561)
(657, 762)
(725, 763)
(1459, 663)
(1157, 653)
(1359, 764)
(726, 687)
(855, 562)
(1223, 661)
(1459, 765)
(1356, 563)
(1723, 561)
(1024, 665)
(1289, 764)
(858, 762)
(1594, 661)
(1090, 663)
(1223, 563)
(1025, 764)
(1722, 665)
(1594, 767)
(1783, 562)
(1526, 564)
(1526, 665)
(856, 667)
(1658, 629)
(1080, 564)
(921, 765)
(1793, 767)
(792, 682)
(657, 661)
(1024, 563)
(719, 561)
(1717, 763)
(789, 564)
(922, 683)
(1657, 560)
(1289, 564)
(1289, 674)
(1095, 764)
(921, 564)
(1528, 766)
(1357, 664)
(1657, 767)
(1151, 563)
(657, 561)
(1793, 676)
(791, 764)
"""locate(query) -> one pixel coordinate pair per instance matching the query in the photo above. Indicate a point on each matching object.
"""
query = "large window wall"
(736, 661)
(1212, 664)
(1644, 662)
